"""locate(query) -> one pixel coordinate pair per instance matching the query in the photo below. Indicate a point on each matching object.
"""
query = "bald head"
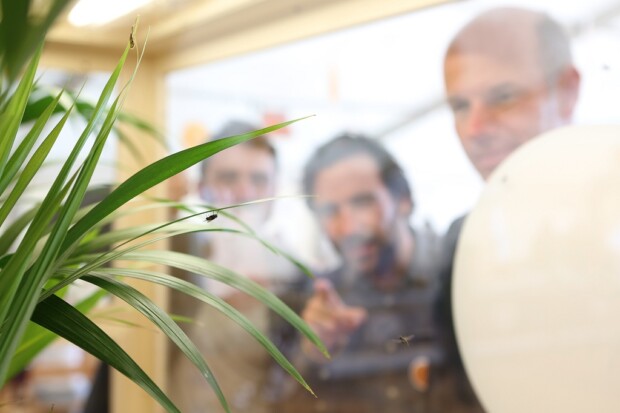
(509, 77)
(519, 35)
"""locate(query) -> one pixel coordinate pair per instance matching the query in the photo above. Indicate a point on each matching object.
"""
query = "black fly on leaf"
(211, 216)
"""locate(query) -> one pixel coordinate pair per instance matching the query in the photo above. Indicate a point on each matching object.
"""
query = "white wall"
(370, 78)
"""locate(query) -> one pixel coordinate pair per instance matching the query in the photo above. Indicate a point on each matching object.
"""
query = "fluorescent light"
(98, 12)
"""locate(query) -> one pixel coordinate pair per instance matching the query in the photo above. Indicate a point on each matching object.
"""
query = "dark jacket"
(372, 373)
(451, 373)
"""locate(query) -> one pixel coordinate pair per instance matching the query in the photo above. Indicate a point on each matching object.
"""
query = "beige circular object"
(537, 278)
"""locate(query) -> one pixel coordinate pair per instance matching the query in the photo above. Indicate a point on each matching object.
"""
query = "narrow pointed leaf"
(198, 266)
(10, 118)
(15, 305)
(163, 321)
(156, 173)
(31, 168)
(97, 261)
(10, 234)
(174, 226)
(217, 303)
(16, 263)
(19, 307)
(23, 35)
(64, 320)
(26, 297)
(211, 270)
(36, 338)
(22, 151)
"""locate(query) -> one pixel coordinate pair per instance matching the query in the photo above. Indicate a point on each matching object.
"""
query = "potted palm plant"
(57, 242)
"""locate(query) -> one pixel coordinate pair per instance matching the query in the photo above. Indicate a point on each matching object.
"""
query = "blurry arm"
(331, 319)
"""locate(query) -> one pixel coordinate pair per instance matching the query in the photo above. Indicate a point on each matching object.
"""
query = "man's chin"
(487, 165)
(487, 169)
(361, 257)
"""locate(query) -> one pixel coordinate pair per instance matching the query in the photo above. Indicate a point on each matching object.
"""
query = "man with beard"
(374, 312)
(509, 76)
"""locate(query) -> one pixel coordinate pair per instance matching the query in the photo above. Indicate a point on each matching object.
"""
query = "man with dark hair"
(242, 173)
(509, 76)
(380, 247)
(368, 309)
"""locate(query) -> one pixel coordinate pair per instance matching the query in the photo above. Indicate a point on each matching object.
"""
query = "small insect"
(132, 42)
(211, 216)
(403, 339)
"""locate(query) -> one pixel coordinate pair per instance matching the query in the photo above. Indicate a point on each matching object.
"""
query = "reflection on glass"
(458, 90)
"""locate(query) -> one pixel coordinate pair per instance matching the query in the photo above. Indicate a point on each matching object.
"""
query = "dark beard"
(386, 267)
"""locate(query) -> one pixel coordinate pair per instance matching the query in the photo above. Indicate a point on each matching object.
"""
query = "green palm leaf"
(63, 319)
(36, 338)
(165, 323)
(22, 32)
(16, 304)
(11, 116)
(156, 173)
(214, 301)
(216, 272)
(20, 154)
(10, 234)
(31, 168)
(60, 239)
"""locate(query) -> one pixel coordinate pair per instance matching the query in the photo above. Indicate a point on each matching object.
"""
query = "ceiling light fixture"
(98, 12)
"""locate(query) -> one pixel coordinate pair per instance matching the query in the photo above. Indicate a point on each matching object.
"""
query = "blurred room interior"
(362, 66)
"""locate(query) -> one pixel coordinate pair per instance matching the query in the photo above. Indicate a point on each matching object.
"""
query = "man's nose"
(347, 222)
(477, 120)
(245, 191)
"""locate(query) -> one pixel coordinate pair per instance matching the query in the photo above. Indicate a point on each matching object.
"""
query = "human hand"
(330, 318)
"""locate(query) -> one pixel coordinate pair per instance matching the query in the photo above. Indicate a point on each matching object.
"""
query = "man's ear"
(568, 83)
